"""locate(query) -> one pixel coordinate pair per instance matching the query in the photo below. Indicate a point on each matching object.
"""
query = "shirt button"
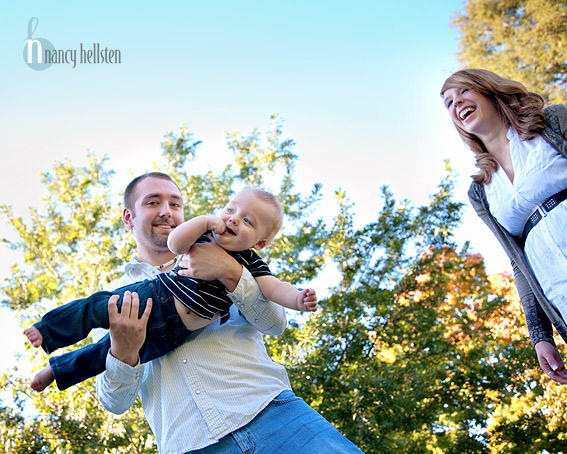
(184, 361)
(256, 320)
(197, 391)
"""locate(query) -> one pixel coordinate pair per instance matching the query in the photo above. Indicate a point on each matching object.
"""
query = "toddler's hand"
(216, 225)
(307, 300)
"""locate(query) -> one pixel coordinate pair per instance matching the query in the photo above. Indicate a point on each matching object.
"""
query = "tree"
(77, 244)
(525, 40)
(70, 248)
(416, 350)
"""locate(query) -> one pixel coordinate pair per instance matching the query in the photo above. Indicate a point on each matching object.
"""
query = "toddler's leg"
(34, 336)
(72, 322)
(42, 379)
(74, 367)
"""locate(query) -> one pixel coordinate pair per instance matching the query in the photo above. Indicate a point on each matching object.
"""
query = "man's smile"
(164, 225)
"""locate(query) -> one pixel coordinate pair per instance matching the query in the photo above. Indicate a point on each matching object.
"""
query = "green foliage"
(16, 436)
(524, 40)
(77, 244)
(415, 351)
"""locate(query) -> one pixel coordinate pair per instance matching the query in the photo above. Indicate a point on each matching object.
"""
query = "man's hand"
(209, 262)
(551, 362)
(127, 331)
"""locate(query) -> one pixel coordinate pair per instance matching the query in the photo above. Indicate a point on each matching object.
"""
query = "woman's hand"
(551, 362)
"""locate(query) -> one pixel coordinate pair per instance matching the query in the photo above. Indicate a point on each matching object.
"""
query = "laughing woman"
(520, 191)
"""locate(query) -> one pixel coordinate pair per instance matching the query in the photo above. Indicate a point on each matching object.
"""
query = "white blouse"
(539, 172)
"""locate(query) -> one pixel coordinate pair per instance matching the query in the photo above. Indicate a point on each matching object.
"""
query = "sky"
(356, 84)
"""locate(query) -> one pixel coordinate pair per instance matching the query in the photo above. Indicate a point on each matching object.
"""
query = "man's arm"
(118, 386)
(209, 261)
(267, 316)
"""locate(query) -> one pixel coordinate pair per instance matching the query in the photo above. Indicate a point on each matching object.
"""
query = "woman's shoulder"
(555, 130)
(556, 112)
(555, 108)
(476, 196)
(475, 190)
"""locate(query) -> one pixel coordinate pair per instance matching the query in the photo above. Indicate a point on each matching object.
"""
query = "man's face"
(157, 210)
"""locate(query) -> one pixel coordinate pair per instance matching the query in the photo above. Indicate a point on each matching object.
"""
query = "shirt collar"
(138, 270)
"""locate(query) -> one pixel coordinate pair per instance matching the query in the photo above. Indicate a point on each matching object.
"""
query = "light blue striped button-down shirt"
(213, 384)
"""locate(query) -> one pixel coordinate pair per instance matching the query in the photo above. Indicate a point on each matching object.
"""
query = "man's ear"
(260, 244)
(127, 218)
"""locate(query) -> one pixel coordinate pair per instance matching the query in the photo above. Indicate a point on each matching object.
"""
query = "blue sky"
(356, 83)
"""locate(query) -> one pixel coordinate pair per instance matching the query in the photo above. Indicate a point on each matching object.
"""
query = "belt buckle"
(542, 211)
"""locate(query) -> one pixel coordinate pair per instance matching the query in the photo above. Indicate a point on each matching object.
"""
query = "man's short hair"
(129, 193)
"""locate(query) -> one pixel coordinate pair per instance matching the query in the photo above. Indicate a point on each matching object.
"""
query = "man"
(219, 392)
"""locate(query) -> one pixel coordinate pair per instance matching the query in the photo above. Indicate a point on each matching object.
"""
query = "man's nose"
(165, 211)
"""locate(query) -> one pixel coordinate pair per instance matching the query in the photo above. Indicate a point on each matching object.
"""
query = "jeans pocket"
(157, 331)
(285, 397)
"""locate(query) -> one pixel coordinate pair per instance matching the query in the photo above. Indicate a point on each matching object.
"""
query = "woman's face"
(471, 111)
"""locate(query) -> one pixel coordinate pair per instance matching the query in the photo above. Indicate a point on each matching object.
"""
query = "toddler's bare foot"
(34, 336)
(42, 379)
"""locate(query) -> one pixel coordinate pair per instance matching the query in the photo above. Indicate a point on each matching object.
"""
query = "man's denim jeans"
(286, 426)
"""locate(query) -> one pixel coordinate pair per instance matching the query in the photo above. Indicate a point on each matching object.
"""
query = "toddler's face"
(247, 219)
